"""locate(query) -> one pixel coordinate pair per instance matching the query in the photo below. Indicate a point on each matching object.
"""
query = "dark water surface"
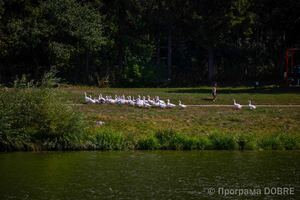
(148, 175)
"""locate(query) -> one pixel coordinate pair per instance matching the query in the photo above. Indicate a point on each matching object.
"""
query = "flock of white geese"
(143, 102)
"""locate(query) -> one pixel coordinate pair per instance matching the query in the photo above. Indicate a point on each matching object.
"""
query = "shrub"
(38, 119)
(50, 79)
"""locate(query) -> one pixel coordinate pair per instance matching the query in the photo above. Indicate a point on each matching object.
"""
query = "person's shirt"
(214, 90)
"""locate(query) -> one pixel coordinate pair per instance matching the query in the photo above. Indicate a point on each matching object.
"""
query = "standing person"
(214, 92)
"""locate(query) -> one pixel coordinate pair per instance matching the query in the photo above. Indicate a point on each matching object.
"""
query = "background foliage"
(144, 43)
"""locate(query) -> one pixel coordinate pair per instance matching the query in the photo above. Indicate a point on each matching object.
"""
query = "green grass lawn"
(196, 120)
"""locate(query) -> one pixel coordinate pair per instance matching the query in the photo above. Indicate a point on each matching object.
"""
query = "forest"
(147, 43)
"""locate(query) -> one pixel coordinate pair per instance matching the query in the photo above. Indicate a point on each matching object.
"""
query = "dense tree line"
(147, 42)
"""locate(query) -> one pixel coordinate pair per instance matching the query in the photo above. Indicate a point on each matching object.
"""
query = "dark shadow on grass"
(207, 99)
(275, 90)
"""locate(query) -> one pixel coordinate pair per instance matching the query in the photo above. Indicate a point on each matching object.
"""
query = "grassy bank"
(47, 119)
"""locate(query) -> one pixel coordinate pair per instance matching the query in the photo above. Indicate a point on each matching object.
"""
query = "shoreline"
(161, 140)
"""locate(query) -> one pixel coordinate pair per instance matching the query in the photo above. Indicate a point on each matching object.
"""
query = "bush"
(38, 119)
(50, 80)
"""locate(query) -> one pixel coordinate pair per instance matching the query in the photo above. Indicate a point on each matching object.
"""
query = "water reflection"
(144, 175)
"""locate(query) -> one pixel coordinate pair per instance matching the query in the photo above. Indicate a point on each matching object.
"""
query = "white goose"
(181, 105)
(170, 105)
(124, 101)
(144, 100)
(156, 104)
(101, 99)
(151, 102)
(160, 101)
(113, 101)
(236, 105)
(96, 100)
(251, 106)
(121, 100)
(146, 105)
(131, 101)
(139, 103)
(88, 99)
(162, 105)
(107, 100)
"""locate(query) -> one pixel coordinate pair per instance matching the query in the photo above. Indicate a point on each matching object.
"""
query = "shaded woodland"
(139, 43)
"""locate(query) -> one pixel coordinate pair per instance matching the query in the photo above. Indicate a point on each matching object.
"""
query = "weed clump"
(222, 141)
(108, 140)
(148, 142)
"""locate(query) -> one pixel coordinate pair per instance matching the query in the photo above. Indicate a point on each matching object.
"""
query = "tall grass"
(109, 140)
(148, 142)
(279, 142)
(222, 141)
(172, 140)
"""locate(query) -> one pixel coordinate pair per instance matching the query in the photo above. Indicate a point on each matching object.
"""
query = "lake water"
(150, 175)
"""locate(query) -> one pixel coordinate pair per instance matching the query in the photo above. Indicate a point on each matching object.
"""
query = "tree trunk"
(170, 55)
(211, 67)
